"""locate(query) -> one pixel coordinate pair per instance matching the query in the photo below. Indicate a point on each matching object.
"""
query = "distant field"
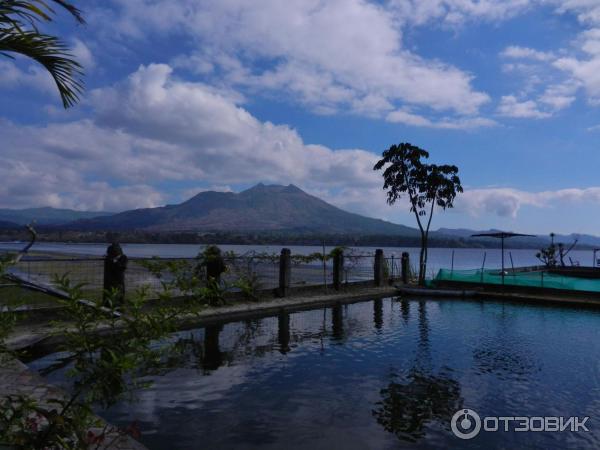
(17, 296)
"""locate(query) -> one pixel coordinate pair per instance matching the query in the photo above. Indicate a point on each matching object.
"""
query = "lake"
(464, 258)
(379, 374)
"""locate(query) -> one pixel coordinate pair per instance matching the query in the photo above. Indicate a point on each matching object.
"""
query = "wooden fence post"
(285, 271)
(115, 264)
(215, 264)
(405, 267)
(338, 269)
(379, 268)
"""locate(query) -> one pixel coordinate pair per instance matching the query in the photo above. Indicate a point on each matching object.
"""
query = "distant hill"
(583, 240)
(46, 215)
(259, 209)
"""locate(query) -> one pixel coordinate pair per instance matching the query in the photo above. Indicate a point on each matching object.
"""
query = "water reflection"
(367, 375)
(423, 360)
(212, 358)
(418, 397)
(337, 322)
(405, 309)
(504, 362)
(283, 332)
(496, 352)
(378, 313)
(410, 402)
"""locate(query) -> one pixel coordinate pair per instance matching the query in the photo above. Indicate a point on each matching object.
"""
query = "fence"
(265, 271)
(530, 278)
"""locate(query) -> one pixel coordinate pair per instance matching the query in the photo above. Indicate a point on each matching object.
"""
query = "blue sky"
(189, 95)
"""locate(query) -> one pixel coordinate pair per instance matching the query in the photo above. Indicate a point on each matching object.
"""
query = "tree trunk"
(422, 259)
(425, 257)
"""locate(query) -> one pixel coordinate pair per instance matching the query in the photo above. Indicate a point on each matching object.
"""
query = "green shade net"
(531, 279)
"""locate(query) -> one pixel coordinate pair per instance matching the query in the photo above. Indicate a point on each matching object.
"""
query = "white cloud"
(506, 202)
(33, 76)
(213, 137)
(559, 96)
(565, 71)
(349, 56)
(456, 12)
(22, 72)
(153, 128)
(578, 65)
(510, 106)
(594, 128)
(408, 118)
(83, 55)
(331, 56)
(587, 72)
(553, 99)
(517, 52)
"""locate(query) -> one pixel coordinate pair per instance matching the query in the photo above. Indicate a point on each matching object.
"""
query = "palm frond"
(32, 11)
(19, 34)
(51, 53)
(72, 10)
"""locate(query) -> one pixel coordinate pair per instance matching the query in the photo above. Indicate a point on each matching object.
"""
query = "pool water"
(379, 374)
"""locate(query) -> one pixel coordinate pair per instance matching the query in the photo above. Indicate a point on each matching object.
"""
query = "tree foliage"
(19, 33)
(554, 255)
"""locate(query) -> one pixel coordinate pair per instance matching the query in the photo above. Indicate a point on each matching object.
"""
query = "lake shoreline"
(439, 257)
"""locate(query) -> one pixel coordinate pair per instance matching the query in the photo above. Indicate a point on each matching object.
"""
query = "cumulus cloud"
(510, 106)
(408, 118)
(559, 96)
(350, 56)
(586, 72)
(569, 69)
(456, 12)
(331, 56)
(213, 136)
(83, 55)
(153, 128)
(14, 74)
(506, 202)
(517, 52)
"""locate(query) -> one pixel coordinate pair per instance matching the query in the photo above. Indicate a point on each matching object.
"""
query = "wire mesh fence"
(530, 278)
(358, 268)
(88, 272)
(262, 269)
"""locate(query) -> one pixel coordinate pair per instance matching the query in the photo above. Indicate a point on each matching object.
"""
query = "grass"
(14, 296)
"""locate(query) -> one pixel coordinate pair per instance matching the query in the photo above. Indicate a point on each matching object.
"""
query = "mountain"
(46, 216)
(258, 209)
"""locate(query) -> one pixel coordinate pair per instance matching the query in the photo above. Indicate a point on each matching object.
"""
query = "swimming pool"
(378, 374)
